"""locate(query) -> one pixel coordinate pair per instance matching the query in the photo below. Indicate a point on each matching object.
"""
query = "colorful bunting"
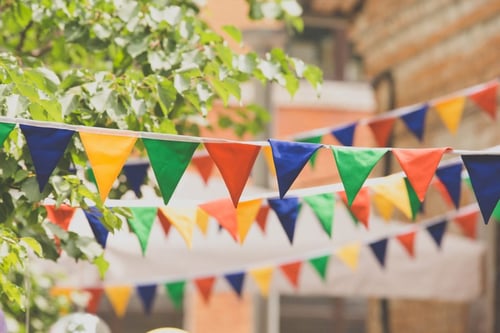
(287, 211)
(468, 223)
(205, 287)
(349, 255)
(450, 111)
(268, 157)
(164, 221)
(263, 278)
(382, 129)
(292, 272)
(5, 129)
(384, 206)
(169, 160)
(379, 249)
(323, 207)
(415, 120)
(136, 174)
(486, 98)
(236, 281)
(204, 164)
(147, 294)
(393, 188)
(315, 140)
(437, 231)
(245, 214)
(289, 159)
(484, 173)
(225, 214)
(234, 161)
(119, 297)
(61, 215)
(202, 219)
(407, 240)
(262, 217)
(320, 265)
(345, 134)
(415, 203)
(175, 291)
(451, 177)
(360, 208)
(141, 223)
(95, 295)
(100, 232)
(47, 146)
(496, 212)
(107, 154)
(182, 219)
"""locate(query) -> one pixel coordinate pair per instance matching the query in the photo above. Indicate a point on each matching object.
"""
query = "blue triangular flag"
(437, 231)
(147, 295)
(345, 134)
(47, 146)
(484, 173)
(100, 232)
(136, 173)
(289, 159)
(236, 281)
(451, 177)
(379, 249)
(287, 211)
(415, 120)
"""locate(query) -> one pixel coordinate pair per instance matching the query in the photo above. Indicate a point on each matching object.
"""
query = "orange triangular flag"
(204, 165)
(439, 186)
(205, 287)
(119, 296)
(234, 161)
(450, 112)
(202, 220)
(381, 129)
(61, 291)
(94, 299)
(408, 242)
(468, 223)
(263, 277)
(246, 212)
(268, 157)
(292, 271)
(384, 206)
(262, 217)
(360, 207)
(107, 154)
(349, 255)
(183, 220)
(486, 98)
(61, 215)
(225, 214)
(165, 223)
(419, 166)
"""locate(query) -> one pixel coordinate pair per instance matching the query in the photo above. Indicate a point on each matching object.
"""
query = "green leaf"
(102, 265)
(234, 32)
(314, 75)
(167, 95)
(33, 244)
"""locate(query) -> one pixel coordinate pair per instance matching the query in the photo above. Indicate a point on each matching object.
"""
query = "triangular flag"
(136, 174)
(323, 207)
(419, 166)
(225, 214)
(94, 299)
(349, 255)
(100, 232)
(468, 223)
(496, 212)
(182, 219)
(289, 159)
(292, 272)
(486, 98)
(119, 296)
(287, 211)
(262, 217)
(202, 219)
(164, 221)
(450, 112)
(439, 186)
(345, 134)
(263, 278)
(107, 154)
(407, 240)
(205, 286)
(61, 215)
(437, 231)
(393, 188)
(267, 151)
(415, 203)
(246, 212)
(175, 291)
(451, 177)
(360, 208)
(354, 166)
(379, 249)
(47, 146)
(169, 160)
(484, 173)
(234, 161)
(415, 120)
(320, 264)
(314, 139)
(5, 129)
(236, 281)
(382, 129)
(204, 164)
(384, 206)
(147, 294)
(141, 223)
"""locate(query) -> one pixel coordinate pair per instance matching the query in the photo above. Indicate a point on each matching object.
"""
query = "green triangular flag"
(320, 264)
(89, 173)
(314, 139)
(496, 212)
(414, 201)
(141, 224)
(5, 129)
(169, 160)
(175, 291)
(323, 206)
(354, 166)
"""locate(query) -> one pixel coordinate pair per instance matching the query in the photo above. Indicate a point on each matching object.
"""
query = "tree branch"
(22, 37)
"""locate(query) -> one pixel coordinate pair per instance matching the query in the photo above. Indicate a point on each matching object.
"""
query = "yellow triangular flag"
(263, 277)
(107, 154)
(61, 291)
(393, 188)
(202, 219)
(246, 212)
(450, 112)
(119, 296)
(183, 219)
(268, 156)
(349, 254)
(384, 207)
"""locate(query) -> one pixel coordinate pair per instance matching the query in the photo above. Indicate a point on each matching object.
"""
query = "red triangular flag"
(292, 271)
(61, 215)
(205, 286)
(419, 166)
(439, 186)
(262, 217)
(94, 300)
(225, 213)
(234, 161)
(468, 223)
(381, 129)
(164, 221)
(204, 164)
(486, 98)
(408, 242)
(360, 207)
